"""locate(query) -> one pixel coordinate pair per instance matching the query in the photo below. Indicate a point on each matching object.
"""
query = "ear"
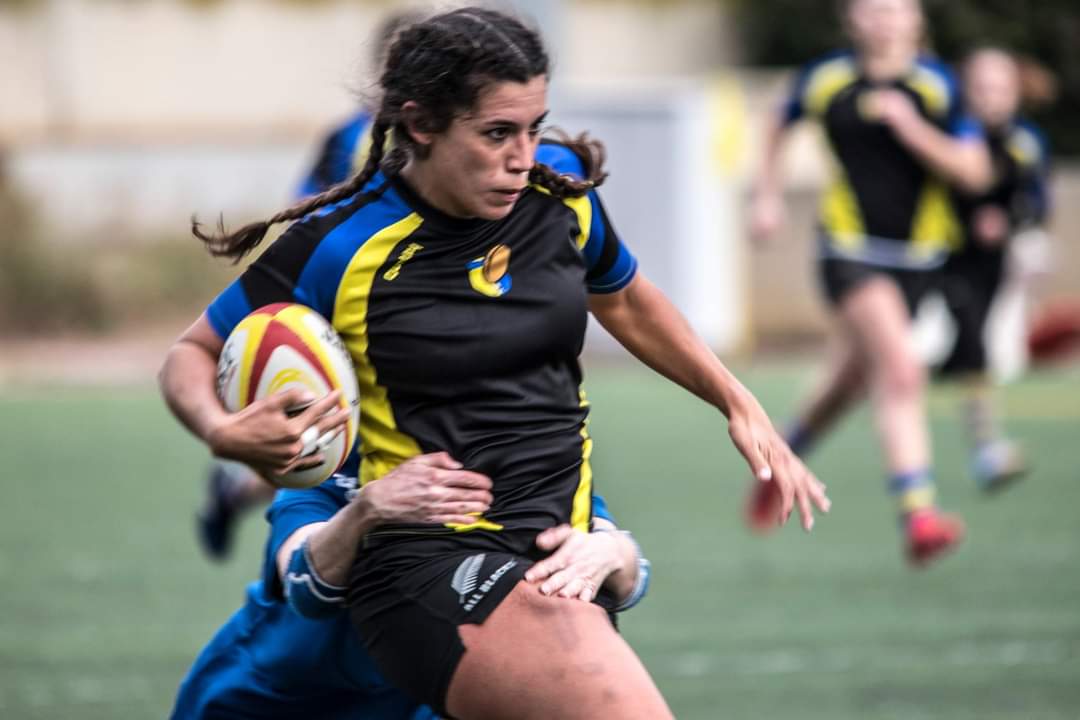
(412, 117)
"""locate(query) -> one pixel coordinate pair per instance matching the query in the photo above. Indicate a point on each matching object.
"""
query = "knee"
(903, 377)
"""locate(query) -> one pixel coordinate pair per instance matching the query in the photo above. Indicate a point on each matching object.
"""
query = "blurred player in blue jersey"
(893, 121)
(290, 651)
(1017, 201)
(232, 489)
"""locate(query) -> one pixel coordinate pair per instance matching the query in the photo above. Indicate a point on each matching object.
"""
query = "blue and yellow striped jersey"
(465, 333)
(881, 205)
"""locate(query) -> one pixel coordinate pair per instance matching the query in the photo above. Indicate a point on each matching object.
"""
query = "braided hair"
(441, 64)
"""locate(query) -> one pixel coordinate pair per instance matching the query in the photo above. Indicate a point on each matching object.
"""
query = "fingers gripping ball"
(284, 346)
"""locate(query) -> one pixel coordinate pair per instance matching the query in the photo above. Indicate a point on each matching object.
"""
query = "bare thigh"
(543, 657)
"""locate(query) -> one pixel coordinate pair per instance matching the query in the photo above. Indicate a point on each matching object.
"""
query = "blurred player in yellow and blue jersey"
(899, 142)
(1017, 201)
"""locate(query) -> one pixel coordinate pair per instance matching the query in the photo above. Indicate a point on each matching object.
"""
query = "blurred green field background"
(106, 599)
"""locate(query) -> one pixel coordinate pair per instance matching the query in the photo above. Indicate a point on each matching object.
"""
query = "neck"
(423, 183)
(888, 63)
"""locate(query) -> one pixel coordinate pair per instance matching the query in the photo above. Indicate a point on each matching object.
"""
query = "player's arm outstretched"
(645, 322)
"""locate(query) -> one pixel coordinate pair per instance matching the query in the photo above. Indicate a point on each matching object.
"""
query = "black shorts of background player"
(1016, 201)
(459, 274)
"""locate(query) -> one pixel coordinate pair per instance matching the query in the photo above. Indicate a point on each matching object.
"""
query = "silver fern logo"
(466, 575)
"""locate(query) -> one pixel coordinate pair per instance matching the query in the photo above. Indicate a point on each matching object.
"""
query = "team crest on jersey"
(488, 274)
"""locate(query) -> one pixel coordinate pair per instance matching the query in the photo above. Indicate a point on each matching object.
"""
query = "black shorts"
(970, 282)
(839, 277)
(409, 594)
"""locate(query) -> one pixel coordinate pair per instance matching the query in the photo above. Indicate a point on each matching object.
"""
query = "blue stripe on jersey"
(959, 123)
(322, 275)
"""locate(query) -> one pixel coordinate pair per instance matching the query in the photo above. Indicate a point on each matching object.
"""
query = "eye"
(536, 130)
(497, 134)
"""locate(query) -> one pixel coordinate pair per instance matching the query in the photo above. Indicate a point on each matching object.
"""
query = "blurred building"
(135, 114)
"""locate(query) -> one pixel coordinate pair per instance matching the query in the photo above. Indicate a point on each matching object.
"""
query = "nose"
(522, 153)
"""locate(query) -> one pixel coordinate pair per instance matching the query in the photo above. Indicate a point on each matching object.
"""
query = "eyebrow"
(500, 122)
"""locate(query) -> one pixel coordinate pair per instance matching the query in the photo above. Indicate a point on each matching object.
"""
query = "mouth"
(509, 194)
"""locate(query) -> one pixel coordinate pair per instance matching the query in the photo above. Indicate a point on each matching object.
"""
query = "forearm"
(188, 380)
(333, 546)
(769, 178)
(965, 164)
(647, 324)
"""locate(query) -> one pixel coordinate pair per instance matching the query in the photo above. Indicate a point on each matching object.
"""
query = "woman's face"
(992, 87)
(885, 25)
(480, 165)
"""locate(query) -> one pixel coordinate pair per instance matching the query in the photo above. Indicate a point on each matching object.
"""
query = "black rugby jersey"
(881, 205)
(465, 334)
(1020, 160)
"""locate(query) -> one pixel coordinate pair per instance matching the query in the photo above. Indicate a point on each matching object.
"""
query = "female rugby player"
(886, 224)
(459, 274)
(1016, 201)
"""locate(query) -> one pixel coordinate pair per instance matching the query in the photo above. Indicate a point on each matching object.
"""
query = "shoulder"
(832, 63)
(338, 230)
(935, 82)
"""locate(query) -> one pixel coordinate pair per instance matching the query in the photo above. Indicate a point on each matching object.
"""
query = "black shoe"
(216, 521)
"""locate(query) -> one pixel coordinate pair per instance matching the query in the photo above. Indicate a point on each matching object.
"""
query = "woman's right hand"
(270, 436)
(430, 488)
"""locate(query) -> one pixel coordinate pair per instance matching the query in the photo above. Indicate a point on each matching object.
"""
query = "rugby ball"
(283, 346)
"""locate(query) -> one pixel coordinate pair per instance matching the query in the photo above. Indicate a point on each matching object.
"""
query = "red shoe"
(931, 533)
(763, 507)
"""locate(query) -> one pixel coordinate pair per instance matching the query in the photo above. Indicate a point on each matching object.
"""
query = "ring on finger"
(310, 440)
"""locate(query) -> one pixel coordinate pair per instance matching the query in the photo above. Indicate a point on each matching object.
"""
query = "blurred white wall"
(81, 70)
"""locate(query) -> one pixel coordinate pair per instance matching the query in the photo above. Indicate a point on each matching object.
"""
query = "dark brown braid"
(237, 244)
(592, 154)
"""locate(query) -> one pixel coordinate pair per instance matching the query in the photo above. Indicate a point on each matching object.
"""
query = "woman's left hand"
(578, 565)
(771, 460)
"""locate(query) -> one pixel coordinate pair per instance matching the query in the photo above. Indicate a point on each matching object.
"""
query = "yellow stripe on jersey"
(825, 82)
(934, 228)
(933, 90)
(581, 512)
(582, 207)
(383, 447)
(840, 213)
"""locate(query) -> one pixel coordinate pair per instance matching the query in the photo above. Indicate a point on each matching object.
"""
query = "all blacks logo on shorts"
(467, 575)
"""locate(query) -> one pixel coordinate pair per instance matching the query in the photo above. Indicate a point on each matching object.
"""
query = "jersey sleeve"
(335, 161)
(600, 509)
(290, 511)
(793, 108)
(609, 264)
(292, 269)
